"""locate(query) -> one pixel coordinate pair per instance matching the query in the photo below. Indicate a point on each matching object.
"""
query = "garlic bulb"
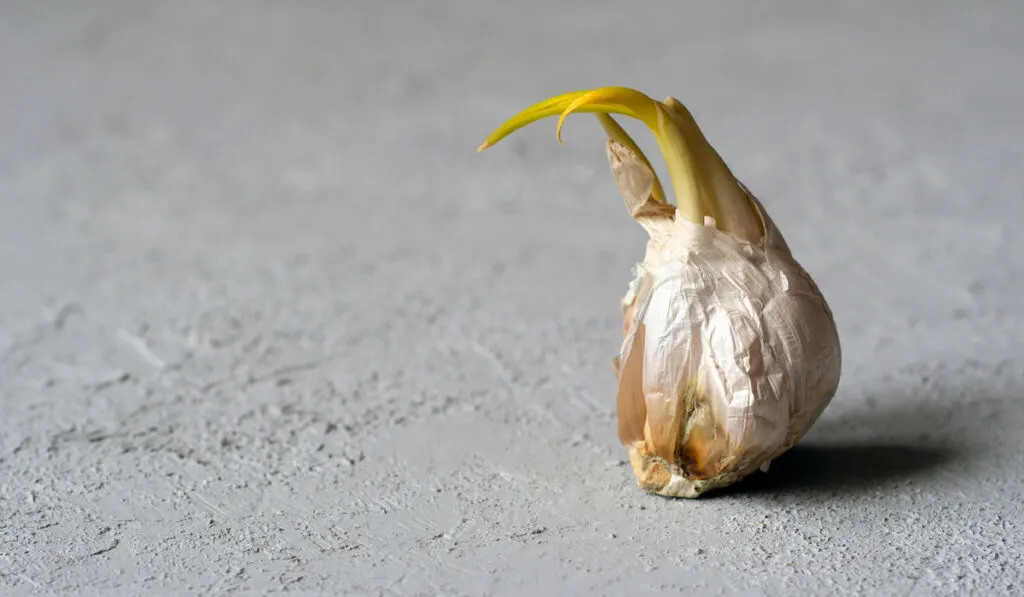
(730, 353)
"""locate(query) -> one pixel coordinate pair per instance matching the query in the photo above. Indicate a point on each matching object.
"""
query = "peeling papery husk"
(730, 354)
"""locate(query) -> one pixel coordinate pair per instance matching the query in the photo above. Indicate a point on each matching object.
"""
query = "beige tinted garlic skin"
(730, 352)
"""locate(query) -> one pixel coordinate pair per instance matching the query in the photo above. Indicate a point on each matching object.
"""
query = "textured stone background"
(268, 321)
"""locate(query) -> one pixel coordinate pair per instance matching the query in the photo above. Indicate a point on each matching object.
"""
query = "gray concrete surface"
(268, 322)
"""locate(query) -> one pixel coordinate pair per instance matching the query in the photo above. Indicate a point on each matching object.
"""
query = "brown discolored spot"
(704, 444)
(652, 473)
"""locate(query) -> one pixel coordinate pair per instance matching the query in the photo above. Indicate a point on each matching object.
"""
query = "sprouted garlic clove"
(730, 353)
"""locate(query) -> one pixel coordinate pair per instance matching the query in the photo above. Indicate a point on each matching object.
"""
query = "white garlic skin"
(737, 355)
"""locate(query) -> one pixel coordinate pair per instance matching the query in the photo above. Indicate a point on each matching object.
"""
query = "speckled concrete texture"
(268, 322)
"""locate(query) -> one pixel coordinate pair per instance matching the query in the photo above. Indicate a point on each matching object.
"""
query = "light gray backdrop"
(268, 321)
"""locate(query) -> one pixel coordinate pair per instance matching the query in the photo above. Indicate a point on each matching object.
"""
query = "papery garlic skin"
(730, 352)
(739, 357)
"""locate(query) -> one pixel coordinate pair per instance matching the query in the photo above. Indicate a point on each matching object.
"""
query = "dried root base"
(655, 475)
